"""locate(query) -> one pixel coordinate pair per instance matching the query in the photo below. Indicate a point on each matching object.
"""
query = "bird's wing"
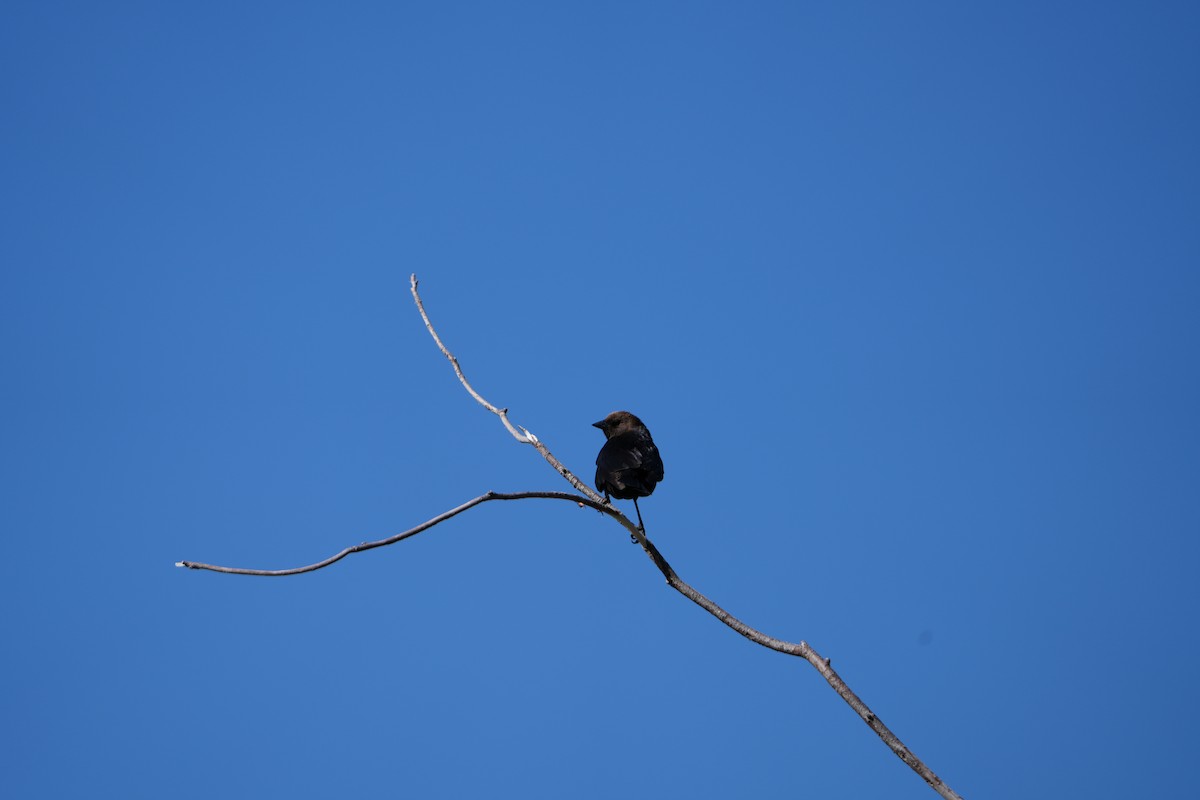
(630, 451)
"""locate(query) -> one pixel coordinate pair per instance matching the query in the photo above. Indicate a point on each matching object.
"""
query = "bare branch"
(399, 537)
(800, 649)
(593, 500)
(525, 437)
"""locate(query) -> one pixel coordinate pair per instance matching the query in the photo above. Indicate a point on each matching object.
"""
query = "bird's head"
(618, 422)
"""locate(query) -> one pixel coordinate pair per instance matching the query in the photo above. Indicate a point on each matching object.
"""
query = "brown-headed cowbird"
(628, 466)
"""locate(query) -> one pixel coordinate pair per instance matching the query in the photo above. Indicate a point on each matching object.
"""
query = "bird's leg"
(641, 527)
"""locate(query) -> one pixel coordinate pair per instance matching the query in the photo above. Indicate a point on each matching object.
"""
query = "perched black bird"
(628, 466)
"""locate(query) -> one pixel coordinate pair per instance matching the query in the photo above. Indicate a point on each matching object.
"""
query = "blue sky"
(906, 293)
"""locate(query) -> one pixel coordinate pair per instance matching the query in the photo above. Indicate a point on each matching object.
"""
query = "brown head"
(618, 422)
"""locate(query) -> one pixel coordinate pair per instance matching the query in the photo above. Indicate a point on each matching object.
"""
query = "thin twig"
(523, 438)
(526, 437)
(399, 537)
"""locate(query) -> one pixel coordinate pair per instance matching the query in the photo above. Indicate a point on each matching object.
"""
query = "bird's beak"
(599, 424)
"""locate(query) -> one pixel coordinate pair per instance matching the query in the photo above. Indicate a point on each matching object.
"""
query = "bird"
(628, 466)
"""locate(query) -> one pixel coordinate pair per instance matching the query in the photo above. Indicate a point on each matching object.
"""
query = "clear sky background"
(907, 293)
